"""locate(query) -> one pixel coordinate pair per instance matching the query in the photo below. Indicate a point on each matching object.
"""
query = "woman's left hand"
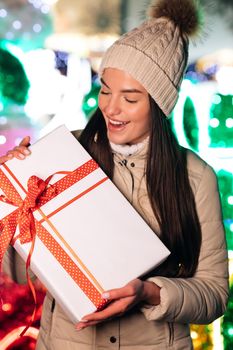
(122, 300)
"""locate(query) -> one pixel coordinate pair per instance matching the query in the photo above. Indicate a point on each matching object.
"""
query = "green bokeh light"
(221, 134)
(91, 100)
(14, 84)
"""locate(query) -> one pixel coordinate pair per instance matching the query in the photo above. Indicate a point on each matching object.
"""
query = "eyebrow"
(124, 90)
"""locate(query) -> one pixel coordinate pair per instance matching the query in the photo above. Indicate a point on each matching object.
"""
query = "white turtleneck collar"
(128, 150)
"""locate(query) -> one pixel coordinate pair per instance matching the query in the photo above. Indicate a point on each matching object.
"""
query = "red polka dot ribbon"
(39, 193)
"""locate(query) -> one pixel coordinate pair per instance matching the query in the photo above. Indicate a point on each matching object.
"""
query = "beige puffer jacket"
(200, 299)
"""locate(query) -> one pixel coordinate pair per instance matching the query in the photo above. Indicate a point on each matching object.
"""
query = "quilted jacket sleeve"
(202, 298)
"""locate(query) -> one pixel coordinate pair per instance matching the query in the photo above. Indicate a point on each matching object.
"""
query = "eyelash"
(127, 100)
(130, 101)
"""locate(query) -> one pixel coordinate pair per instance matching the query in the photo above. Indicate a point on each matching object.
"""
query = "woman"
(172, 188)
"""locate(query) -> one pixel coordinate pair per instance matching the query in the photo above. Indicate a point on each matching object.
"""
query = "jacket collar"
(138, 151)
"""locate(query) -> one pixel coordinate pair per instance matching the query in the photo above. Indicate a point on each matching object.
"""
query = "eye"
(102, 92)
(130, 101)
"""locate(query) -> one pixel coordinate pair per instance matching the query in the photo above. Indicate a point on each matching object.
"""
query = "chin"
(117, 139)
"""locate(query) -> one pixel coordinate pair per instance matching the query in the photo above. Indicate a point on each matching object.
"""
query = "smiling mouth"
(117, 123)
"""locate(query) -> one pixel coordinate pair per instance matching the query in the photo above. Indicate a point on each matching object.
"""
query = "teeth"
(117, 122)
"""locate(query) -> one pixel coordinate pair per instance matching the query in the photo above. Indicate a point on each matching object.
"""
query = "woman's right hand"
(19, 152)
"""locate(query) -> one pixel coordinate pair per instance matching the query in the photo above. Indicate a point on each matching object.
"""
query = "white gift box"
(90, 222)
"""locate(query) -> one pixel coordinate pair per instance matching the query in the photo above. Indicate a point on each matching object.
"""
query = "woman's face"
(125, 106)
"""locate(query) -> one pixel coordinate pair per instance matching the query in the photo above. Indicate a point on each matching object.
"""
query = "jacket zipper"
(124, 162)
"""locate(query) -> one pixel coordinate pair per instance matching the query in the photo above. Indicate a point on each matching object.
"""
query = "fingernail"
(83, 320)
(105, 295)
(21, 156)
(10, 155)
(79, 328)
(26, 151)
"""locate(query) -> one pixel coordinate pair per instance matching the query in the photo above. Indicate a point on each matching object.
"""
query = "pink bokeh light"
(14, 136)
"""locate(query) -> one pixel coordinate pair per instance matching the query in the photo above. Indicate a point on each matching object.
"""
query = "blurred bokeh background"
(50, 52)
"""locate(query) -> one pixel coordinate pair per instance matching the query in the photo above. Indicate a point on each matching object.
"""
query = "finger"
(114, 309)
(22, 149)
(82, 325)
(25, 141)
(5, 158)
(98, 316)
(16, 154)
(119, 293)
(19, 152)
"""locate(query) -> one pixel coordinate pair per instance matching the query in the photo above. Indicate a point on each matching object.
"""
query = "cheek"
(143, 118)
(145, 126)
(103, 102)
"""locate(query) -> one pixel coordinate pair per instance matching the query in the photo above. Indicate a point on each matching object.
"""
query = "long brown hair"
(168, 187)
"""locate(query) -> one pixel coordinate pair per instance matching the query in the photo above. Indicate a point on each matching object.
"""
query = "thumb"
(25, 141)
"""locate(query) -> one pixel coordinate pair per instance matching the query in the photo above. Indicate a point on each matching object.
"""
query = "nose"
(112, 106)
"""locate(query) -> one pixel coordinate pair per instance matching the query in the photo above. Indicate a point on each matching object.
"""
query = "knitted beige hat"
(156, 52)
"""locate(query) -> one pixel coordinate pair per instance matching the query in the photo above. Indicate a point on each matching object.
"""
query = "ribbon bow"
(36, 187)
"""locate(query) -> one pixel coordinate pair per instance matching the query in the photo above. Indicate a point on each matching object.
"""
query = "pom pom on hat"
(156, 52)
(183, 13)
